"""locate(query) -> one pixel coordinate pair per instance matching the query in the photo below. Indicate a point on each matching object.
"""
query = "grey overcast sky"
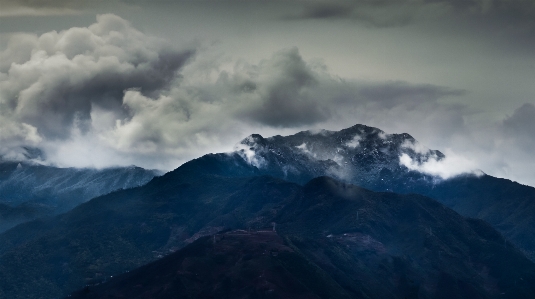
(157, 83)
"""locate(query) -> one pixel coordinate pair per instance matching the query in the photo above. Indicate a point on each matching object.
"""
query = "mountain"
(236, 264)
(29, 190)
(11, 216)
(368, 157)
(362, 155)
(371, 244)
(128, 228)
(398, 246)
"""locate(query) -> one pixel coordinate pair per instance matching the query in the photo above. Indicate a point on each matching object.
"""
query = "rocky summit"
(361, 155)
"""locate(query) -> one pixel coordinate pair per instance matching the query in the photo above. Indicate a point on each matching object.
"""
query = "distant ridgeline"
(29, 190)
(333, 239)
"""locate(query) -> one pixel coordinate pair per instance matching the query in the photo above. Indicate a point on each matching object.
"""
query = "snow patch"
(304, 148)
(249, 140)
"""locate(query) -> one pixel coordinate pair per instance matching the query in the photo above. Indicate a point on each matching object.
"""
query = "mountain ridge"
(125, 229)
(368, 157)
(42, 190)
(372, 244)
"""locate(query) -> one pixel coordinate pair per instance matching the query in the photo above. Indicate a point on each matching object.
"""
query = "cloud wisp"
(445, 167)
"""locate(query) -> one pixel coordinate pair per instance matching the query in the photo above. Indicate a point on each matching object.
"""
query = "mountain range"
(370, 158)
(333, 240)
(399, 234)
(29, 190)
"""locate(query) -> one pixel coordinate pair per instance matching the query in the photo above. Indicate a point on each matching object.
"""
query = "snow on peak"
(303, 147)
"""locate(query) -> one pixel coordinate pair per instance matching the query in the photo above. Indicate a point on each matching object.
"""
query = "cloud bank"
(50, 85)
(108, 94)
(388, 13)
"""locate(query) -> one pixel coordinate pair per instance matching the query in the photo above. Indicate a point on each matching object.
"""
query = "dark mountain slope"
(11, 216)
(368, 157)
(235, 264)
(399, 246)
(507, 206)
(42, 190)
(400, 243)
(126, 229)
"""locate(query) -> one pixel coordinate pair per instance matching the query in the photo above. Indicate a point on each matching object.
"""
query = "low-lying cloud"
(451, 166)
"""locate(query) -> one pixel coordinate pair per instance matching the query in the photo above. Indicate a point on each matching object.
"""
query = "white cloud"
(249, 155)
(303, 147)
(451, 166)
(416, 146)
(354, 142)
(60, 76)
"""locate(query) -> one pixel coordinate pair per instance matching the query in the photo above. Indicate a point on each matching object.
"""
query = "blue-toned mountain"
(29, 190)
(370, 158)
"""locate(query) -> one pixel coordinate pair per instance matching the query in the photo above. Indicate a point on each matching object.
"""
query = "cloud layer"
(387, 13)
(108, 94)
(58, 80)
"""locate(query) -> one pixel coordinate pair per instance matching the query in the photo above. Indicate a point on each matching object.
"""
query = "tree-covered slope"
(400, 237)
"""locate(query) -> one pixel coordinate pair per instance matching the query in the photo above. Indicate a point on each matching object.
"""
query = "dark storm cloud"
(68, 73)
(392, 94)
(41, 7)
(283, 89)
(281, 92)
(369, 13)
(326, 11)
(520, 127)
(286, 91)
(390, 13)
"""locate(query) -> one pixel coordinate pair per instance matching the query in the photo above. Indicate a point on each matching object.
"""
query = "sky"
(157, 83)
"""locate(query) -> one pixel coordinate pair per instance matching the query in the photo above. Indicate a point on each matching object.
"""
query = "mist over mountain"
(353, 236)
(29, 190)
(368, 157)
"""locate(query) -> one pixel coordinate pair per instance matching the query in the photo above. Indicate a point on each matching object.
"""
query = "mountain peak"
(360, 154)
(253, 139)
